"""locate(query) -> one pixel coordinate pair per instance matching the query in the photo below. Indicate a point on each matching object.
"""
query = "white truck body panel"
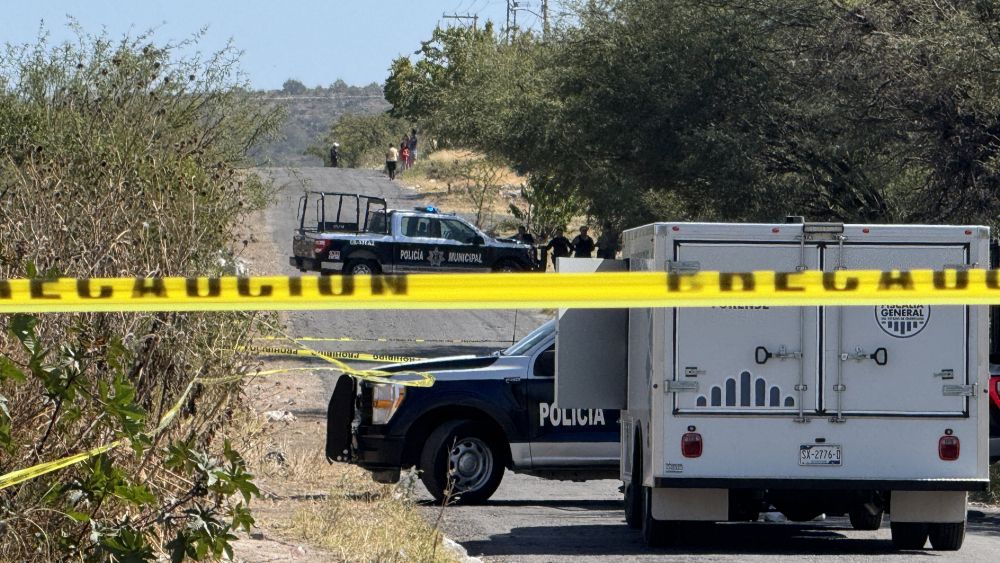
(882, 383)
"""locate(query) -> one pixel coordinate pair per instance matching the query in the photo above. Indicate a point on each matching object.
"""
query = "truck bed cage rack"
(362, 213)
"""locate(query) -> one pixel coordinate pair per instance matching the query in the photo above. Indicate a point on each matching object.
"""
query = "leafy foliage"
(747, 110)
(364, 139)
(119, 159)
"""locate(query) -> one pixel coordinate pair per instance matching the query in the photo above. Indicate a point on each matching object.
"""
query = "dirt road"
(530, 519)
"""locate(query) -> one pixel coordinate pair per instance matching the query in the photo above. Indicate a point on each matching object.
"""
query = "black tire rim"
(470, 464)
(362, 269)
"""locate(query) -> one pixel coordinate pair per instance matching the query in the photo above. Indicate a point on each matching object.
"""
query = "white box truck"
(730, 411)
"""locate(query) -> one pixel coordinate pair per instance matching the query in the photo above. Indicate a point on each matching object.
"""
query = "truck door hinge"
(681, 386)
(683, 267)
(958, 390)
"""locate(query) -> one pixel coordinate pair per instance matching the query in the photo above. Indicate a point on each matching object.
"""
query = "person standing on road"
(404, 157)
(607, 243)
(583, 245)
(391, 157)
(335, 155)
(412, 145)
(561, 247)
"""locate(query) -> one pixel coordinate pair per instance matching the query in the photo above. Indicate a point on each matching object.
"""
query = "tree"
(364, 139)
(293, 87)
(119, 158)
(746, 110)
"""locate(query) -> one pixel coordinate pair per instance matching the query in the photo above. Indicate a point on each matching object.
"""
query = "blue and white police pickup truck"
(483, 414)
(356, 234)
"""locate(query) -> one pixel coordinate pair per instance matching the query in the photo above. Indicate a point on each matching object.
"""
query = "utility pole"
(473, 17)
(545, 18)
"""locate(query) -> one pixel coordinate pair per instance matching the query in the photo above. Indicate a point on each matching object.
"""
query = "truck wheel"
(862, 518)
(655, 533)
(633, 493)
(461, 462)
(908, 535)
(947, 537)
(362, 268)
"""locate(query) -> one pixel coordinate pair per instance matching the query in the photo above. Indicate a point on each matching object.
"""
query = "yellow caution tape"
(493, 291)
(407, 340)
(408, 378)
(27, 474)
(350, 356)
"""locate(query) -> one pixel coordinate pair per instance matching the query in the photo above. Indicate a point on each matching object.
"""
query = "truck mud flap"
(339, 419)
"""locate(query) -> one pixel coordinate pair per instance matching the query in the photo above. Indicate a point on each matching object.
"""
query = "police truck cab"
(483, 414)
(356, 234)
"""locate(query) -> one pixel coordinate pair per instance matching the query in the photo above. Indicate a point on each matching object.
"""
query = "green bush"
(119, 159)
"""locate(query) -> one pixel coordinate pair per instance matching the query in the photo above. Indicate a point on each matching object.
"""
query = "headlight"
(386, 399)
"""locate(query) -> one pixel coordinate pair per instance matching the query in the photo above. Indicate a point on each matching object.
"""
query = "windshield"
(531, 340)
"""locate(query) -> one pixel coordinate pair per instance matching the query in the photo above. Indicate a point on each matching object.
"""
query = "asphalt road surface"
(531, 519)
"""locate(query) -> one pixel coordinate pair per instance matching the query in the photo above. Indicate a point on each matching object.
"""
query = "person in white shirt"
(391, 157)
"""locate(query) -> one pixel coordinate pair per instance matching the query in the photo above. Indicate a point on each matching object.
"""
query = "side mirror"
(478, 240)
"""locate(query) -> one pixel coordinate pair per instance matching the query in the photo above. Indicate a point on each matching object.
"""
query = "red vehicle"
(994, 413)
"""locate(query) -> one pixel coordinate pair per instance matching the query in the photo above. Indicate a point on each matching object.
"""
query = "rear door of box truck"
(859, 396)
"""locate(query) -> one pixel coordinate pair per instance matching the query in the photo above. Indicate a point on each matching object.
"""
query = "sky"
(313, 41)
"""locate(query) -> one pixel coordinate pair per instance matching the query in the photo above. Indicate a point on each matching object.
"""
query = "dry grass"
(333, 511)
(437, 178)
(364, 521)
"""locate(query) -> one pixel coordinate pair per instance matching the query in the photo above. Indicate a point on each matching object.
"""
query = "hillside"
(309, 112)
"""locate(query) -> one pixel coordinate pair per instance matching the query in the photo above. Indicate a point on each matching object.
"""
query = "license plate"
(820, 454)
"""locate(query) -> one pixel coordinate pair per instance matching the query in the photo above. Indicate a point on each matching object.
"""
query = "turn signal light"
(949, 447)
(691, 444)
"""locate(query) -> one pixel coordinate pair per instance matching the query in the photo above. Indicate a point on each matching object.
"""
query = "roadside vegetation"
(118, 158)
(748, 110)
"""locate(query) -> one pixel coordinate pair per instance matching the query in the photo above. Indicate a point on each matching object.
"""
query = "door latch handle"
(880, 356)
(945, 374)
(761, 354)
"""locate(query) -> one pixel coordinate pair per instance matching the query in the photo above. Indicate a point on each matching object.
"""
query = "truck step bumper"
(823, 484)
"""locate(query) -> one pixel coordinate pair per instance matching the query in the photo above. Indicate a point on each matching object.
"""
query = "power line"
(460, 17)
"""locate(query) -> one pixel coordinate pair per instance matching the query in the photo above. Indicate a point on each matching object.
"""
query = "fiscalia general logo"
(902, 321)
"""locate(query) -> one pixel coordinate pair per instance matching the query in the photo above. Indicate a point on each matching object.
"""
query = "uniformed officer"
(583, 245)
(335, 155)
(559, 245)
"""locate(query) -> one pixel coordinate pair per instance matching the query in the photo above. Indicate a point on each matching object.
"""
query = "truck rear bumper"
(822, 484)
(311, 265)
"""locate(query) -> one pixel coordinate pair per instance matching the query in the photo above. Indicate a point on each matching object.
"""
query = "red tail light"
(949, 447)
(320, 246)
(691, 444)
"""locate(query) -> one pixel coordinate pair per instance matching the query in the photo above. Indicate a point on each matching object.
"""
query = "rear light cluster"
(949, 447)
(320, 246)
(691, 444)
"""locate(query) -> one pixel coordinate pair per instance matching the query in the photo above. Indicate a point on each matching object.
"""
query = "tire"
(633, 492)
(863, 519)
(362, 268)
(908, 535)
(655, 533)
(508, 266)
(462, 463)
(947, 537)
